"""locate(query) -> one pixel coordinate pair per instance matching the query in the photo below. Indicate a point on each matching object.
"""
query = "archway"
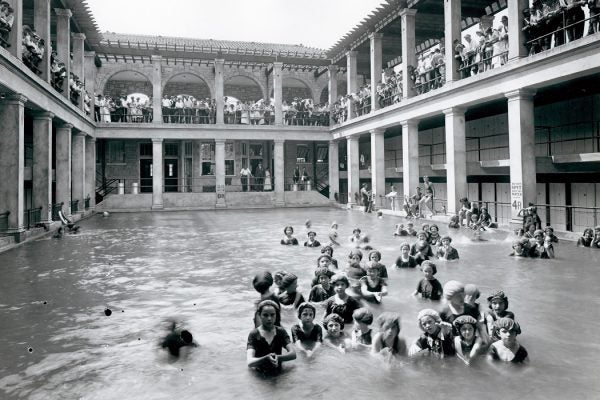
(341, 90)
(294, 88)
(243, 89)
(187, 84)
(124, 83)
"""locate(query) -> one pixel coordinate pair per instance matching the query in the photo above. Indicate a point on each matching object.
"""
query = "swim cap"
(288, 280)
(507, 323)
(453, 287)
(340, 278)
(498, 295)
(305, 305)
(262, 281)
(472, 290)
(428, 312)
(363, 315)
(429, 264)
(463, 320)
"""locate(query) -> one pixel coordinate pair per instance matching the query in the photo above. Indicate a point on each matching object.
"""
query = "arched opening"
(294, 89)
(341, 90)
(126, 82)
(187, 84)
(243, 88)
(187, 99)
(127, 97)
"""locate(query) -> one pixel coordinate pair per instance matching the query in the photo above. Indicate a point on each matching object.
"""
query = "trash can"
(308, 186)
(295, 187)
(121, 187)
(135, 188)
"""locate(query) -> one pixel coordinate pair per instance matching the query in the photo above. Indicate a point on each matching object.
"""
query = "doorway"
(146, 175)
(171, 171)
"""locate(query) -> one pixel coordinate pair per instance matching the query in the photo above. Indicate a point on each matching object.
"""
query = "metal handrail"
(32, 217)
(563, 29)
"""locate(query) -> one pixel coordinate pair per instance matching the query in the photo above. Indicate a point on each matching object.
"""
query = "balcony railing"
(32, 217)
(127, 115)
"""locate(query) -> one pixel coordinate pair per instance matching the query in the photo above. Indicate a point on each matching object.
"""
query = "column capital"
(409, 12)
(333, 68)
(219, 61)
(42, 115)
(377, 131)
(375, 35)
(352, 138)
(14, 99)
(63, 12)
(454, 110)
(78, 36)
(521, 94)
(410, 123)
(278, 64)
(279, 141)
(351, 53)
(91, 139)
(156, 58)
(80, 135)
(219, 141)
(65, 126)
(157, 140)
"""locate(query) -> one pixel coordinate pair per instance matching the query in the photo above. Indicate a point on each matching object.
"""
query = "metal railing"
(32, 217)
(543, 42)
(391, 97)
(4, 220)
(74, 206)
(125, 115)
(467, 70)
(86, 203)
(189, 116)
(362, 107)
(249, 118)
(56, 207)
(429, 80)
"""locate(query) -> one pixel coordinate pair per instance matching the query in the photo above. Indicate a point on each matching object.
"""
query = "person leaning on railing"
(594, 24)
(59, 72)
(7, 19)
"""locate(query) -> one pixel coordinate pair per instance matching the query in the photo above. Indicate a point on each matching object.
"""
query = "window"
(171, 149)
(229, 159)
(302, 154)
(256, 150)
(116, 152)
(322, 154)
(207, 157)
(145, 149)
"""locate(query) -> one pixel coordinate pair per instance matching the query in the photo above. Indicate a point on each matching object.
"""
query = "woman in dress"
(245, 114)
(267, 186)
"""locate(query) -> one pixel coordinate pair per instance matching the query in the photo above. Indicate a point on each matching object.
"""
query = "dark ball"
(108, 312)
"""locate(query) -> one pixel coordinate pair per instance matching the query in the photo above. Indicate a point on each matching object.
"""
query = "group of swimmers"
(460, 329)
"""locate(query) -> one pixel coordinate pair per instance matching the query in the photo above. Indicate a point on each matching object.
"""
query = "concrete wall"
(115, 88)
(198, 90)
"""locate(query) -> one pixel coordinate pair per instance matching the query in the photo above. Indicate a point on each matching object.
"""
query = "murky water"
(197, 267)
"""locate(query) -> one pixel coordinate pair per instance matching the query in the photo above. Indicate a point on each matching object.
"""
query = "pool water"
(197, 268)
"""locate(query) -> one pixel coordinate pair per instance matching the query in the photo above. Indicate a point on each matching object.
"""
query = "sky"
(313, 23)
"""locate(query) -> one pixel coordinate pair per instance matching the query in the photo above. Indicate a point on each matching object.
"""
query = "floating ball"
(105, 214)
(379, 213)
(108, 312)
(308, 223)
(45, 302)
(30, 350)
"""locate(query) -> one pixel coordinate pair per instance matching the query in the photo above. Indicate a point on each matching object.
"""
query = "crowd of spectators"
(184, 109)
(33, 49)
(305, 112)
(259, 112)
(123, 109)
(58, 71)
(7, 19)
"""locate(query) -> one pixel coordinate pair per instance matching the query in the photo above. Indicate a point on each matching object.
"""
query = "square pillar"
(12, 161)
(409, 56)
(279, 179)
(332, 85)
(516, 39)
(157, 94)
(157, 174)
(63, 167)
(410, 156)
(42, 164)
(219, 89)
(378, 165)
(63, 44)
(90, 170)
(376, 60)
(79, 61)
(78, 169)
(90, 79)
(41, 24)
(452, 30)
(353, 168)
(456, 158)
(521, 143)
(16, 33)
(278, 92)
(334, 170)
(352, 78)
(220, 172)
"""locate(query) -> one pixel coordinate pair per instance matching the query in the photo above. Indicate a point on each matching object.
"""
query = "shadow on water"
(197, 267)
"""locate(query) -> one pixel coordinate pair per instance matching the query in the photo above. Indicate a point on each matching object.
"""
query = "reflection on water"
(197, 267)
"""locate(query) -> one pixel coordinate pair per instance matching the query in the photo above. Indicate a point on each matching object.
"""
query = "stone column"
(63, 167)
(90, 170)
(376, 61)
(452, 30)
(90, 78)
(332, 74)
(16, 33)
(42, 164)
(278, 92)
(352, 78)
(79, 60)
(516, 40)
(41, 24)
(410, 156)
(456, 158)
(63, 43)
(220, 172)
(377, 164)
(353, 169)
(219, 88)
(157, 95)
(334, 170)
(521, 143)
(409, 57)
(157, 174)
(12, 161)
(78, 169)
(279, 178)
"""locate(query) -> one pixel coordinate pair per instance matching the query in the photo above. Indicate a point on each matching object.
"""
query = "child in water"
(262, 283)
(290, 296)
(485, 219)
(541, 248)
(266, 343)
(549, 232)
(518, 249)
(278, 279)
(437, 336)
(323, 290)
(177, 339)
(446, 251)
(410, 229)
(426, 251)
(362, 333)
(454, 293)
(434, 235)
(335, 336)
(507, 349)
(329, 251)
(405, 260)
(372, 287)
(467, 344)
(454, 222)
(429, 287)
(307, 336)
(354, 270)
(375, 259)
(341, 304)
(498, 305)
(586, 238)
(324, 261)
(312, 242)
(387, 341)
(288, 239)
(400, 231)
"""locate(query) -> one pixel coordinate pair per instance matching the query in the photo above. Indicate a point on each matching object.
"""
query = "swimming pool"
(197, 267)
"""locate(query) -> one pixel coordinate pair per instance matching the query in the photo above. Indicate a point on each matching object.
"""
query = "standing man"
(365, 195)
(244, 175)
(259, 176)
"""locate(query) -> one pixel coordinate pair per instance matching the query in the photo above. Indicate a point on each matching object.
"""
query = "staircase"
(322, 184)
(104, 186)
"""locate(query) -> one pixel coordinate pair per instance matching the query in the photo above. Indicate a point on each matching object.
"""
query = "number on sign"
(516, 205)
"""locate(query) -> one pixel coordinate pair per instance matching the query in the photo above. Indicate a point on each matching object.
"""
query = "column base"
(157, 207)
(18, 234)
(220, 205)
